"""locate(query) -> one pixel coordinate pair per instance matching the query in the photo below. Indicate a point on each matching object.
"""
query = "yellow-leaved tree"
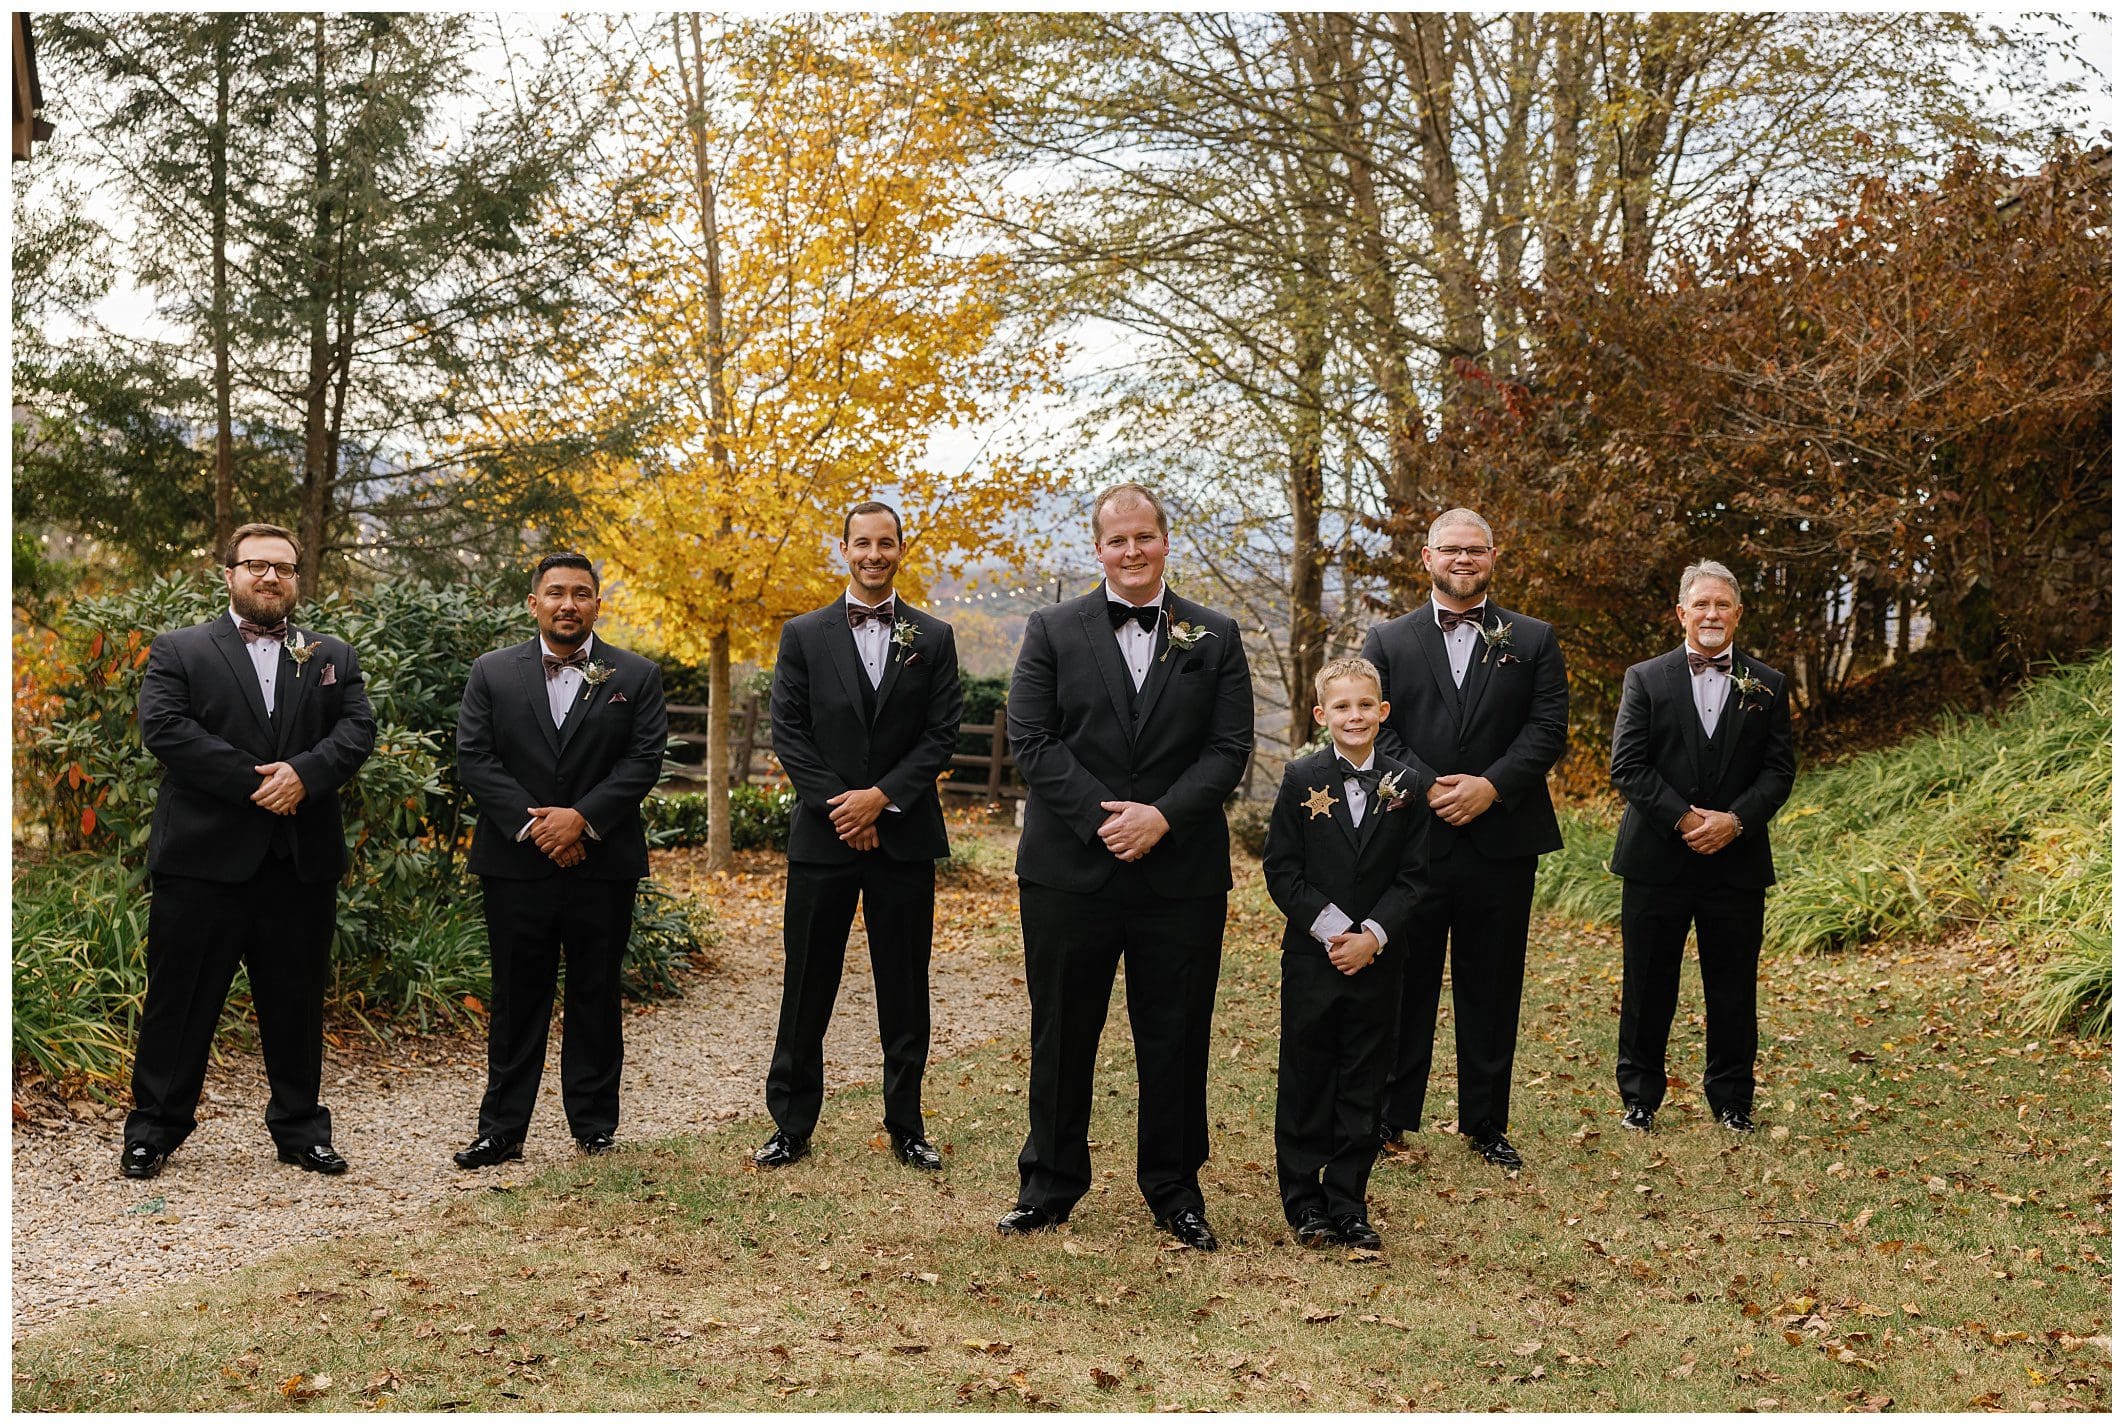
(816, 286)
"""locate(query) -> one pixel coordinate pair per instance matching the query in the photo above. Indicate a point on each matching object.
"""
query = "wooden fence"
(752, 754)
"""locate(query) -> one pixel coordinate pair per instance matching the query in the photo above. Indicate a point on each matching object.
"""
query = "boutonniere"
(298, 650)
(1496, 638)
(1394, 796)
(904, 633)
(1181, 635)
(595, 673)
(1747, 685)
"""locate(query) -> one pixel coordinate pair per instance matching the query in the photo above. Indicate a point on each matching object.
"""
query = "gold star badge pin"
(1321, 802)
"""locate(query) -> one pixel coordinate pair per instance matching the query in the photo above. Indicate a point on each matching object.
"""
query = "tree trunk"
(1308, 574)
(317, 390)
(218, 206)
(719, 782)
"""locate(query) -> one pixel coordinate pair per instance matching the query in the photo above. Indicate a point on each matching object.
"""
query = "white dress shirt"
(1710, 687)
(1333, 919)
(1138, 644)
(873, 640)
(561, 690)
(1459, 641)
(265, 659)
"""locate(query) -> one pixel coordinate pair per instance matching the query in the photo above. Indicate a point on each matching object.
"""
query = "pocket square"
(615, 698)
(329, 677)
(912, 659)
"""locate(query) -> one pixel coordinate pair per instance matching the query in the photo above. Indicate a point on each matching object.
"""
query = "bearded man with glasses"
(1480, 706)
(257, 725)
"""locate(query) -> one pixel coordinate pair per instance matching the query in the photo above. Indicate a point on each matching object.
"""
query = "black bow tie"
(1698, 662)
(1118, 613)
(858, 614)
(252, 632)
(580, 658)
(1368, 779)
(1449, 620)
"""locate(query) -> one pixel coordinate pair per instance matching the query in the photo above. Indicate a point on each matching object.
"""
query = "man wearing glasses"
(1479, 710)
(257, 725)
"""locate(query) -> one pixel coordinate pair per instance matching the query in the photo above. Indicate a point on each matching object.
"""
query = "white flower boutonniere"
(1747, 685)
(904, 633)
(1182, 635)
(595, 673)
(1496, 636)
(298, 650)
(1390, 788)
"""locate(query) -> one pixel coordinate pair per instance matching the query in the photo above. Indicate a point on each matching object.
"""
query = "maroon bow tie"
(1698, 662)
(1449, 620)
(859, 614)
(252, 632)
(580, 658)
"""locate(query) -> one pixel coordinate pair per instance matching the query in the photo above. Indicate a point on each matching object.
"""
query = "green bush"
(759, 818)
(1249, 822)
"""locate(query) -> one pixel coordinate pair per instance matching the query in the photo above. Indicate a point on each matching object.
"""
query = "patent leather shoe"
(595, 1144)
(1498, 1151)
(1637, 1118)
(1355, 1231)
(1736, 1119)
(487, 1150)
(140, 1161)
(315, 1158)
(916, 1151)
(1316, 1229)
(1191, 1229)
(1022, 1221)
(781, 1150)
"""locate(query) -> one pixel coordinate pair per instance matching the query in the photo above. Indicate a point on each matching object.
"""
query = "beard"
(1711, 640)
(1469, 586)
(259, 606)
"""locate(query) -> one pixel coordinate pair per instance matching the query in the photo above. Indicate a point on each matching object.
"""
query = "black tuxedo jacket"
(1372, 872)
(1663, 764)
(1083, 734)
(1507, 722)
(601, 761)
(203, 718)
(834, 732)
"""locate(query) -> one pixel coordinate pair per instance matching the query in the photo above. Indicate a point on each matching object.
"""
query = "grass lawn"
(1923, 1220)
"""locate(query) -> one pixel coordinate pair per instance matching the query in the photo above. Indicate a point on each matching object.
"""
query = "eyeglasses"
(1454, 551)
(256, 568)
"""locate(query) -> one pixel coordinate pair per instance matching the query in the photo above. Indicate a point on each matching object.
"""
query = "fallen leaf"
(1105, 1380)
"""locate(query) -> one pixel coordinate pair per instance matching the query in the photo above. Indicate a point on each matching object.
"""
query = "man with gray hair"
(1479, 710)
(1703, 758)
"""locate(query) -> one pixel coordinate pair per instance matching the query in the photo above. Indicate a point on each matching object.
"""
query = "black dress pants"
(1170, 949)
(1331, 1073)
(198, 931)
(899, 917)
(1729, 942)
(1481, 905)
(530, 925)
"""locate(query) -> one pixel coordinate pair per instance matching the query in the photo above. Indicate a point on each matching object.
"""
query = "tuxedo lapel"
(1481, 659)
(290, 687)
(841, 651)
(1106, 652)
(531, 677)
(894, 657)
(1431, 640)
(1162, 668)
(1681, 699)
(232, 647)
(580, 708)
(1729, 724)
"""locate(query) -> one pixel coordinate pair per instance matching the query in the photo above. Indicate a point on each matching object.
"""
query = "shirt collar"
(1729, 648)
(1437, 607)
(589, 642)
(1113, 598)
(1369, 758)
(855, 603)
(237, 619)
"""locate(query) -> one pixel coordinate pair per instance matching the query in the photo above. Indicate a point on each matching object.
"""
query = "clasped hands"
(281, 791)
(558, 831)
(1353, 949)
(1133, 828)
(1705, 832)
(855, 814)
(1460, 797)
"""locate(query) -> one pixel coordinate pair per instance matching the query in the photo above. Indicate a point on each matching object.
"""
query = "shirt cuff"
(526, 832)
(1378, 932)
(1331, 922)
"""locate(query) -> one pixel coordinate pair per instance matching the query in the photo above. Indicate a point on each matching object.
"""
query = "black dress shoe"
(1021, 1221)
(595, 1144)
(781, 1150)
(916, 1151)
(487, 1150)
(1736, 1119)
(140, 1161)
(1192, 1229)
(1356, 1232)
(1316, 1229)
(315, 1158)
(1637, 1118)
(1390, 1136)
(1496, 1150)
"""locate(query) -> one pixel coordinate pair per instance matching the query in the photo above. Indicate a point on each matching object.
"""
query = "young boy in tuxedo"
(1344, 861)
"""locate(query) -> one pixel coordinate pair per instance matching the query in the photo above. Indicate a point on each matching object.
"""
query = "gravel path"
(83, 1235)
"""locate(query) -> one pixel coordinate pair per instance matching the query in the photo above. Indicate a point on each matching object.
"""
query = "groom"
(1131, 717)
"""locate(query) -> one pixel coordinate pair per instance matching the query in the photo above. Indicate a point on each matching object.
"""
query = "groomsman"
(257, 725)
(1131, 718)
(1479, 707)
(1703, 758)
(866, 707)
(558, 740)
